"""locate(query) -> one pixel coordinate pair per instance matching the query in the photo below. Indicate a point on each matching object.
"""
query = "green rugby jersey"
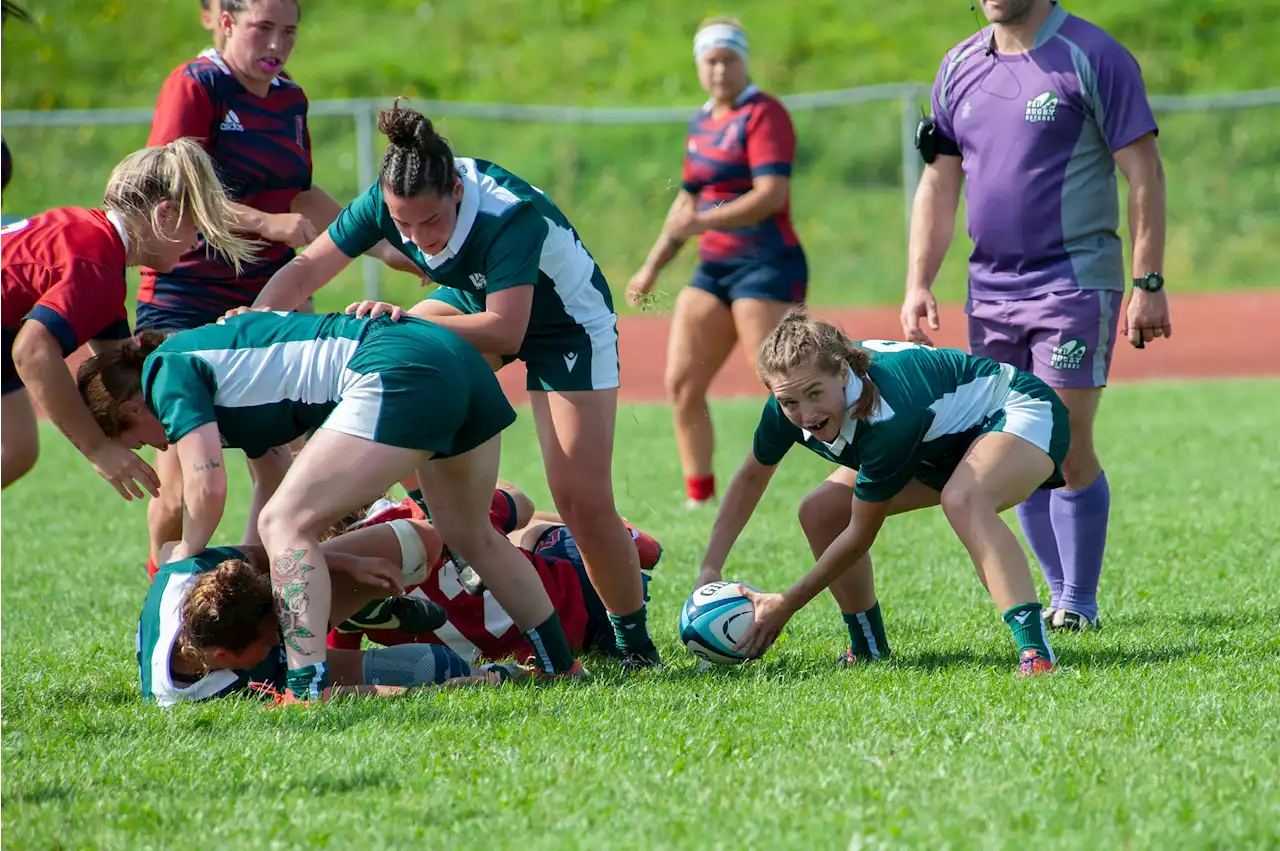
(933, 403)
(508, 234)
(158, 627)
(266, 378)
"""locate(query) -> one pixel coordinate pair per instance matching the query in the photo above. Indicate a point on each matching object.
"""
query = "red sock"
(152, 568)
(700, 487)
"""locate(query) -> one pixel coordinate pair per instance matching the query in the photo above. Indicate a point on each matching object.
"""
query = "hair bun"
(406, 128)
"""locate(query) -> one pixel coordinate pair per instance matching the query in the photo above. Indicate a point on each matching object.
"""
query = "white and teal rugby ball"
(714, 618)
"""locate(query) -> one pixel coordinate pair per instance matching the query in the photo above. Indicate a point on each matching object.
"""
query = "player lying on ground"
(515, 282)
(478, 627)
(64, 286)
(209, 627)
(911, 427)
(384, 398)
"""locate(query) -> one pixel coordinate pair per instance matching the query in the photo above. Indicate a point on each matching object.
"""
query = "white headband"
(719, 35)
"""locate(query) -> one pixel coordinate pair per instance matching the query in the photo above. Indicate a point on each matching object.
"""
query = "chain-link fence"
(614, 172)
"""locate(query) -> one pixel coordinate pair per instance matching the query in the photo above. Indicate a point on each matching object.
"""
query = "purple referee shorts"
(1066, 339)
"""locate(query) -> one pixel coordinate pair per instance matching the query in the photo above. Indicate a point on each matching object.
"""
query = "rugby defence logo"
(1069, 355)
(1041, 108)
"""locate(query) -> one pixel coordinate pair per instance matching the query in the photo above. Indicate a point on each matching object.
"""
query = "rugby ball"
(714, 618)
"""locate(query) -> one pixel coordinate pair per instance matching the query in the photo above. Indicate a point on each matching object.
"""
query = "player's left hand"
(1147, 317)
(683, 223)
(374, 309)
(772, 614)
(373, 573)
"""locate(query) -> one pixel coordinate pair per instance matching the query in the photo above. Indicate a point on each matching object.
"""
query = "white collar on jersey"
(117, 222)
(467, 212)
(747, 93)
(212, 54)
(852, 390)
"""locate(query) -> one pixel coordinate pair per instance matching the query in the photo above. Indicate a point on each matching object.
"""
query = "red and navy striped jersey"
(479, 628)
(724, 154)
(262, 148)
(65, 269)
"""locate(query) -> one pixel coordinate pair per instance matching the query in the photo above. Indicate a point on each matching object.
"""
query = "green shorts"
(419, 386)
(566, 358)
(1032, 411)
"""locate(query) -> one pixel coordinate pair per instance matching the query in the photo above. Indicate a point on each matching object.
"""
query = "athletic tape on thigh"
(413, 555)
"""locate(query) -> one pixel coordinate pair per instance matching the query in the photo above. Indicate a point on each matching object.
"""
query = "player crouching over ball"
(911, 427)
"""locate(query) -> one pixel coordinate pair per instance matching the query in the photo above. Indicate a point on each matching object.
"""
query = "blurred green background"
(614, 182)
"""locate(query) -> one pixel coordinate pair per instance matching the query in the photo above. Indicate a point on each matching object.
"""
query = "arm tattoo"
(287, 578)
(211, 464)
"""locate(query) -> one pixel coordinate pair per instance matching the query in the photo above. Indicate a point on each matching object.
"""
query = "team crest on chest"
(478, 280)
(1042, 108)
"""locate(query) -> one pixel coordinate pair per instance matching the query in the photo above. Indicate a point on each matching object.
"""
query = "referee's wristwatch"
(1152, 282)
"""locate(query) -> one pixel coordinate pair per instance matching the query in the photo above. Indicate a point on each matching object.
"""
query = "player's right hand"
(125, 471)
(293, 229)
(640, 287)
(236, 311)
(919, 304)
(706, 576)
(374, 309)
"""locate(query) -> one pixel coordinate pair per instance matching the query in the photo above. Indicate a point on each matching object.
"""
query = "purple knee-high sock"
(1037, 526)
(1080, 522)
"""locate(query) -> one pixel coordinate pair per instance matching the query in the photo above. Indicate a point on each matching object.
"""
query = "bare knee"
(18, 457)
(1082, 466)
(280, 518)
(964, 504)
(684, 386)
(823, 510)
(582, 502)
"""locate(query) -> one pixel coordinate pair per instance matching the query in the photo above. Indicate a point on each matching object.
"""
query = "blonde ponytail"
(183, 174)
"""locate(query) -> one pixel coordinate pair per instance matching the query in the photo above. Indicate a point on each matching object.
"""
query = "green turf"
(1160, 732)
(615, 183)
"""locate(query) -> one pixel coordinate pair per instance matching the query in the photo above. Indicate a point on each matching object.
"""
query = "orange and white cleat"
(1032, 664)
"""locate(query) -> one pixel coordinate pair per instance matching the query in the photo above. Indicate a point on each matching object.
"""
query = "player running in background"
(478, 627)
(1032, 116)
(263, 379)
(64, 286)
(211, 20)
(911, 427)
(516, 282)
(208, 626)
(253, 121)
(735, 196)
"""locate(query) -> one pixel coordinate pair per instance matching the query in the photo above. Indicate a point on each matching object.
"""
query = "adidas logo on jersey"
(1069, 355)
(478, 280)
(1042, 107)
(231, 122)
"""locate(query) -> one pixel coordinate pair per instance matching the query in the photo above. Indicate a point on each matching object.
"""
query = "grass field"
(1160, 732)
(615, 183)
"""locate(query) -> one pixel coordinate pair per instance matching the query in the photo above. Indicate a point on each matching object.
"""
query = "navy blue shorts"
(599, 637)
(166, 320)
(12, 382)
(771, 277)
